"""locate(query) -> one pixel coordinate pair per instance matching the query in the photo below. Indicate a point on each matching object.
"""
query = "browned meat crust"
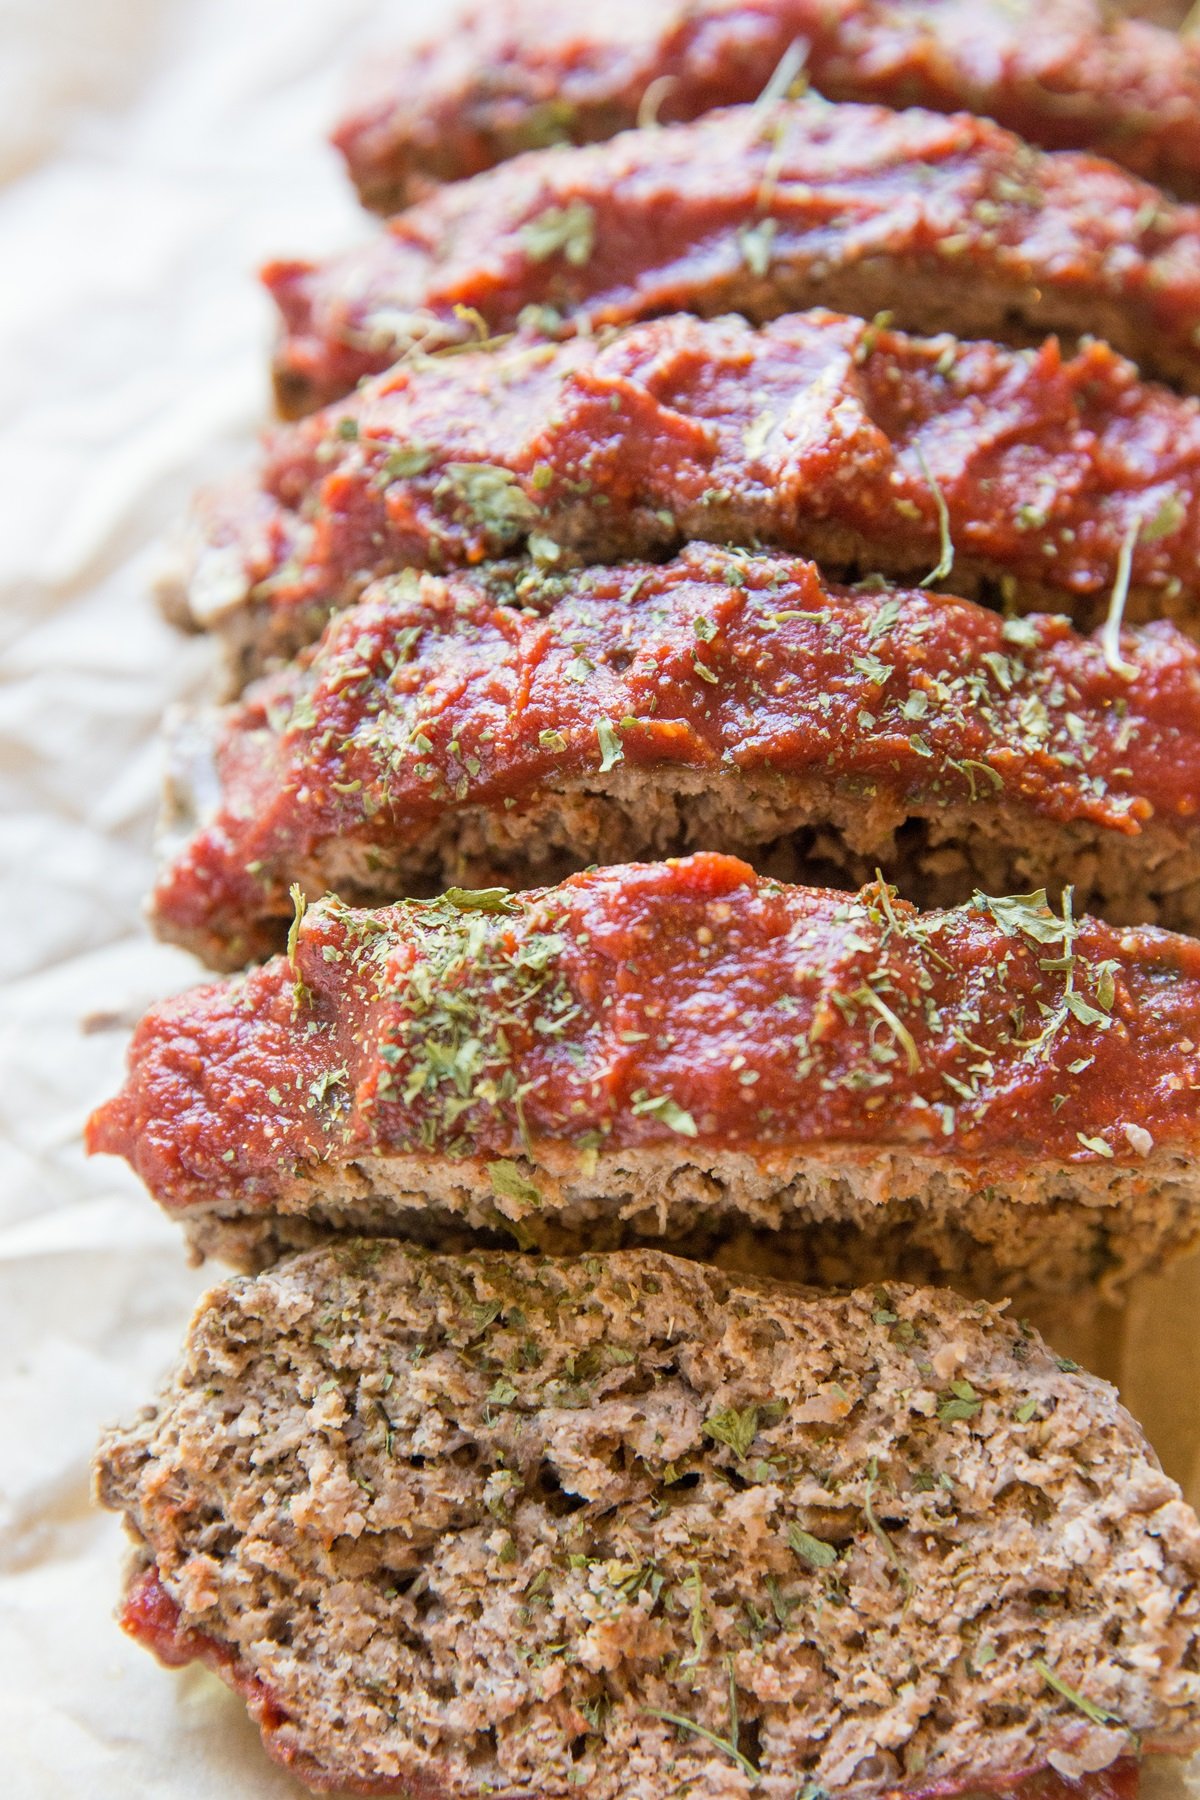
(686, 1053)
(522, 74)
(951, 223)
(440, 735)
(817, 434)
(511, 1527)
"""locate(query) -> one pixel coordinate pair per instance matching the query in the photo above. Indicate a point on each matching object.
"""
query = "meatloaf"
(522, 74)
(1042, 480)
(951, 223)
(509, 1526)
(446, 733)
(684, 1053)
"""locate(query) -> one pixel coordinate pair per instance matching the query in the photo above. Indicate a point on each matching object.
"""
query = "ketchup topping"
(935, 217)
(432, 699)
(643, 1005)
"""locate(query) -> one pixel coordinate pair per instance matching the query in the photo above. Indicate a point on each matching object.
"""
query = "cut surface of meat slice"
(457, 731)
(525, 74)
(690, 1054)
(153, 1619)
(949, 222)
(765, 1538)
(1050, 481)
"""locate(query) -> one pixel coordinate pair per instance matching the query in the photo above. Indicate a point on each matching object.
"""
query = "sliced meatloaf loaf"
(687, 1054)
(1048, 481)
(512, 1527)
(523, 74)
(443, 733)
(951, 223)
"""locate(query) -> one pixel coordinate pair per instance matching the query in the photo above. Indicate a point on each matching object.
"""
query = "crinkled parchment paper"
(152, 152)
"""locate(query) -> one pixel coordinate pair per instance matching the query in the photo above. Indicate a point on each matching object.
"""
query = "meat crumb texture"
(508, 1525)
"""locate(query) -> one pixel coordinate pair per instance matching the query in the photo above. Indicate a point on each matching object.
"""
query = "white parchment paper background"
(152, 152)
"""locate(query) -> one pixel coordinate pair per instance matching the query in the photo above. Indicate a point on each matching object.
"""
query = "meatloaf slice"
(951, 223)
(440, 734)
(522, 74)
(1025, 475)
(688, 1054)
(508, 1526)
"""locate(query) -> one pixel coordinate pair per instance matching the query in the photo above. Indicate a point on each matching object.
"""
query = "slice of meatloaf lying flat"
(506, 1526)
(523, 74)
(951, 223)
(1025, 473)
(688, 1054)
(441, 735)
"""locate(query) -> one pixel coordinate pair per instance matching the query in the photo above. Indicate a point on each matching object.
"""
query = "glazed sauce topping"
(753, 211)
(687, 1002)
(431, 697)
(524, 77)
(818, 434)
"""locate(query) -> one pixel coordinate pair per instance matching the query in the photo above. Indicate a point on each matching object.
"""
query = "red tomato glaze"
(634, 1005)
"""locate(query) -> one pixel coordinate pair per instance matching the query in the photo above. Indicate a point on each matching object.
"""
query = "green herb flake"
(544, 549)
(730, 1746)
(611, 751)
(1090, 1710)
(710, 1737)
(492, 494)
(962, 1403)
(1110, 637)
(661, 1106)
(945, 561)
(300, 994)
(569, 231)
(737, 1429)
(482, 900)
(1166, 521)
(1020, 632)
(876, 1529)
(758, 245)
(757, 434)
(1027, 915)
(509, 1183)
(553, 741)
(405, 463)
(812, 1550)
(897, 1027)
(873, 668)
(1106, 984)
(300, 907)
